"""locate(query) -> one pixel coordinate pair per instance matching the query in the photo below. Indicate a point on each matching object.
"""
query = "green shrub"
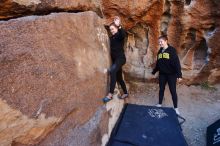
(207, 86)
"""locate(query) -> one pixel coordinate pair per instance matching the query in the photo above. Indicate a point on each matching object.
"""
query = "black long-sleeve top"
(117, 44)
(168, 62)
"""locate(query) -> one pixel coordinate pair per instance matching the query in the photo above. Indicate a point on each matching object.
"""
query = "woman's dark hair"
(164, 37)
(113, 24)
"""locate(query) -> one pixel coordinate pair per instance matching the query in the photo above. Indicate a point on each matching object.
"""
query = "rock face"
(17, 8)
(192, 28)
(142, 20)
(52, 66)
(198, 46)
(52, 77)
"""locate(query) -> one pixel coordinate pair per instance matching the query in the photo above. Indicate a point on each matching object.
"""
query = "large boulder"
(52, 80)
(192, 28)
(18, 8)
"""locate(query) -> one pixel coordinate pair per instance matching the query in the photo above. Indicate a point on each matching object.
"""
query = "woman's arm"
(121, 33)
(177, 65)
(156, 68)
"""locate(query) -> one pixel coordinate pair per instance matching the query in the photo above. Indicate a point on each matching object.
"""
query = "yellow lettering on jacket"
(164, 55)
(160, 56)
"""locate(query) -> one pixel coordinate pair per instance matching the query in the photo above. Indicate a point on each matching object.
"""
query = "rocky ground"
(199, 105)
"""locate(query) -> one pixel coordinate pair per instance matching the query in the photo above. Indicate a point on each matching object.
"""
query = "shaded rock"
(142, 20)
(17, 8)
(51, 77)
(192, 28)
(214, 77)
(198, 44)
(15, 125)
(51, 66)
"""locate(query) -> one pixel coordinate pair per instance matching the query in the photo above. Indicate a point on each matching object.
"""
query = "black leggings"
(116, 75)
(171, 79)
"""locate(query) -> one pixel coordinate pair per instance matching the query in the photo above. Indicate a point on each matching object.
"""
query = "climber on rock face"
(118, 58)
(169, 68)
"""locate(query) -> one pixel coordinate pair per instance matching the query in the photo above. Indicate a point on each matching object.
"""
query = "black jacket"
(168, 62)
(117, 44)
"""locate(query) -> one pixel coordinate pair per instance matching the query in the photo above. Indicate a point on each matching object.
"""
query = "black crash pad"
(147, 126)
(213, 134)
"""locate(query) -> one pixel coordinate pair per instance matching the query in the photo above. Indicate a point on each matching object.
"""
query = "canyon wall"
(52, 80)
(53, 53)
(192, 27)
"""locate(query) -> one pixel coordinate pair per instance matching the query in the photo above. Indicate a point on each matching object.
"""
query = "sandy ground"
(199, 106)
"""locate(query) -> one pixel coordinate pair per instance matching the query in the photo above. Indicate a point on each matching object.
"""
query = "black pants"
(171, 79)
(116, 75)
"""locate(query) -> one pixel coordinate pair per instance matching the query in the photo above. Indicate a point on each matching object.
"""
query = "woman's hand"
(179, 79)
(117, 21)
(105, 71)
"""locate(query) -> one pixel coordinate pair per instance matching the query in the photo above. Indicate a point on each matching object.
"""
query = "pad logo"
(164, 55)
(157, 113)
(216, 138)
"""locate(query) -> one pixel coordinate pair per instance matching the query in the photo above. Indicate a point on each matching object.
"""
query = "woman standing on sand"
(169, 68)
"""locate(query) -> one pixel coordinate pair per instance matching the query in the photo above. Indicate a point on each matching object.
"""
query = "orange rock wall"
(52, 65)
